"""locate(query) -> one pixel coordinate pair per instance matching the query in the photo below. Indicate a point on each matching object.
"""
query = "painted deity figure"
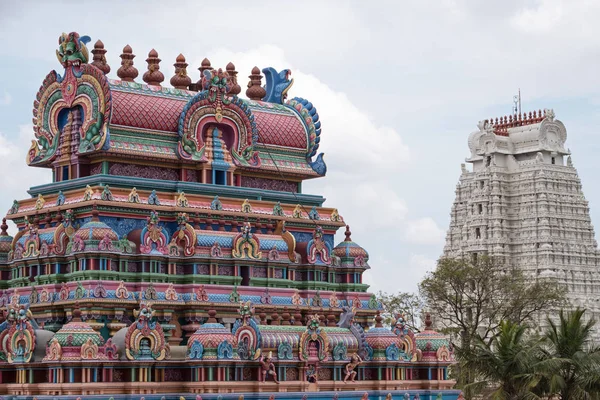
(246, 206)
(278, 210)
(312, 374)
(39, 203)
(246, 311)
(106, 194)
(318, 249)
(216, 204)
(60, 199)
(267, 368)
(182, 201)
(215, 250)
(245, 244)
(297, 213)
(87, 195)
(153, 198)
(15, 207)
(352, 367)
(133, 197)
(335, 216)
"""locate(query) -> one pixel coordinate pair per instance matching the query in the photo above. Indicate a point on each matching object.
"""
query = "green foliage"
(573, 362)
(562, 363)
(508, 363)
(410, 305)
(472, 299)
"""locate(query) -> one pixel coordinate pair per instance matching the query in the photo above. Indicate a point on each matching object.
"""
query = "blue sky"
(399, 87)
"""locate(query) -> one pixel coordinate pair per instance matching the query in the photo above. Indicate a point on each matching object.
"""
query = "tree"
(508, 363)
(409, 305)
(471, 299)
(575, 372)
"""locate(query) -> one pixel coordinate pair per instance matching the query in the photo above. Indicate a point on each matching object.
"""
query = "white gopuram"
(523, 203)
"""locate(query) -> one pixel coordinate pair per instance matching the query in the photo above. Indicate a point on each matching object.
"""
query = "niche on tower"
(66, 164)
(219, 140)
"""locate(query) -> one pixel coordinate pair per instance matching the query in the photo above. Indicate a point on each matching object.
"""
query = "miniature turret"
(127, 72)
(235, 87)
(180, 80)
(255, 90)
(153, 76)
(99, 58)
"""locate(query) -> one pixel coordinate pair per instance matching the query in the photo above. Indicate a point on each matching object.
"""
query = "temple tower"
(523, 203)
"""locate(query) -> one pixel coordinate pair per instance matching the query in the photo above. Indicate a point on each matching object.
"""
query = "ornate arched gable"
(75, 106)
(184, 237)
(212, 107)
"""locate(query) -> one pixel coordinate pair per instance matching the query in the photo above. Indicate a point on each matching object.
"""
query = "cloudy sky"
(399, 86)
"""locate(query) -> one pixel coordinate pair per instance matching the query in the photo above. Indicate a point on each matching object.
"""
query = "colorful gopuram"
(174, 255)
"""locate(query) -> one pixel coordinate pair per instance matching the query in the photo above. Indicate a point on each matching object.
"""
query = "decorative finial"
(235, 88)
(153, 76)
(378, 320)
(212, 317)
(428, 322)
(180, 80)
(76, 313)
(127, 72)
(204, 66)
(255, 90)
(4, 228)
(348, 233)
(95, 213)
(99, 58)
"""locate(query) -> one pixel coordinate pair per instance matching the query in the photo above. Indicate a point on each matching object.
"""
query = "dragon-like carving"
(278, 85)
(72, 50)
(310, 116)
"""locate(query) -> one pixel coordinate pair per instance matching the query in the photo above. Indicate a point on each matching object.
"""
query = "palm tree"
(573, 362)
(508, 364)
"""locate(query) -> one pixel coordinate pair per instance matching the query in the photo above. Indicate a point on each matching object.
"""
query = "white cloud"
(17, 176)
(540, 19)
(363, 158)
(422, 263)
(6, 99)
(399, 274)
(423, 231)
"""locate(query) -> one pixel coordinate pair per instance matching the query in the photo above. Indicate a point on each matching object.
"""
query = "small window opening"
(220, 178)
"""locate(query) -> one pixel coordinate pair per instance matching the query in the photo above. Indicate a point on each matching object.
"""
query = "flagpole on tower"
(517, 103)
